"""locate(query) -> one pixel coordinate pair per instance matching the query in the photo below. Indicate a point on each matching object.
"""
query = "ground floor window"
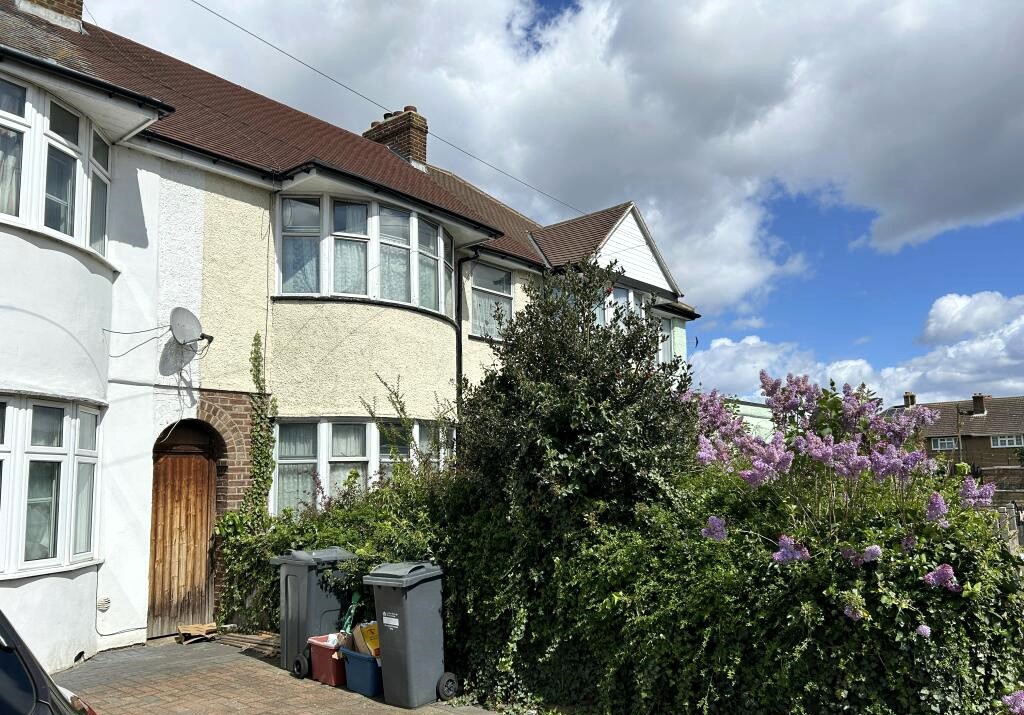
(49, 470)
(340, 452)
(942, 444)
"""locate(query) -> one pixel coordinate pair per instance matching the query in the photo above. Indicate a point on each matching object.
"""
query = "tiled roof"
(578, 238)
(1003, 415)
(219, 117)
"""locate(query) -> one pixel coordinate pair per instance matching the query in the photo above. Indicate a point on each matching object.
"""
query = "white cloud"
(990, 361)
(955, 316)
(753, 322)
(698, 110)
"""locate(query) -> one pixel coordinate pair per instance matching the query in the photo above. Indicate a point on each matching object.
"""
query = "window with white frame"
(49, 471)
(1002, 441)
(492, 296)
(54, 166)
(333, 448)
(665, 354)
(635, 300)
(941, 444)
(372, 250)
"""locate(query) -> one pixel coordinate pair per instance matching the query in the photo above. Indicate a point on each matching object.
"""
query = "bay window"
(55, 155)
(48, 479)
(665, 353)
(449, 274)
(394, 254)
(351, 243)
(428, 262)
(300, 244)
(492, 296)
(296, 463)
(348, 454)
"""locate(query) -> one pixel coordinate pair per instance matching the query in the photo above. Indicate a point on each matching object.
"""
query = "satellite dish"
(185, 326)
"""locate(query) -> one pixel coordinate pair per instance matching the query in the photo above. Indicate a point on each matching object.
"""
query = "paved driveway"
(211, 678)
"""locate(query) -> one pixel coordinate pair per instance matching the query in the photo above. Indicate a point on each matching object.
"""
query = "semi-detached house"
(132, 184)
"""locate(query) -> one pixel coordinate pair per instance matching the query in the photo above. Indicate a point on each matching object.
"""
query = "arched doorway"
(184, 509)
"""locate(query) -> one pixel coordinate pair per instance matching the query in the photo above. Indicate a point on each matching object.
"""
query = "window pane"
(86, 430)
(427, 237)
(428, 282)
(3, 422)
(100, 151)
(484, 305)
(301, 215)
(340, 472)
(12, 98)
(492, 279)
(300, 265)
(41, 510)
(348, 440)
(84, 485)
(394, 225)
(98, 216)
(394, 273)
(349, 266)
(47, 426)
(599, 313)
(448, 247)
(10, 171)
(349, 218)
(294, 485)
(393, 436)
(449, 296)
(296, 441)
(429, 441)
(63, 123)
(620, 295)
(60, 191)
(666, 340)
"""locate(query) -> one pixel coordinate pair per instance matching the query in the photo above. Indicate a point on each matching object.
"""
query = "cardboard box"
(366, 639)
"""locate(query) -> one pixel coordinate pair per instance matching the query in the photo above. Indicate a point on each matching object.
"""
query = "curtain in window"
(296, 441)
(484, 305)
(394, 273)
(98, 215)
(294, 485)
(340, 472)
(10, 171)
(41, 511)
(428, 282)
(349, 218)
(394, 225)
(60, 191)
(84, 484)
(301, 265)
(348, 440)
(349, 266)
(47, 426)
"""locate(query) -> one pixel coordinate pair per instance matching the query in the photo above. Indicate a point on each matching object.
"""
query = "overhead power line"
(374, 102)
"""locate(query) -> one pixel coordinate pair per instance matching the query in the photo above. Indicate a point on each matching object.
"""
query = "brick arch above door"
(230, 413)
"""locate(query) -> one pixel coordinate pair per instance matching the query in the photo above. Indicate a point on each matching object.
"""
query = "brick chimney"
(405, 133)
(65, 13)
(909, 399)
(979, 403)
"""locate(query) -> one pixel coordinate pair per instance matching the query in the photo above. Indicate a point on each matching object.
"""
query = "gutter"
(460, 289)
(112, 90)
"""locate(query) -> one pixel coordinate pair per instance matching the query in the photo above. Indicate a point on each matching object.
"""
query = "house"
(756, 416)
(132, 185)
(986, 432)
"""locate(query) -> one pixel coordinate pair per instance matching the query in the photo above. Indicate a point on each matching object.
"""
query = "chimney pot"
(374, 124)
(979, 403)
(403, 132)
(388, 115)
(909, 399)
(409, 108)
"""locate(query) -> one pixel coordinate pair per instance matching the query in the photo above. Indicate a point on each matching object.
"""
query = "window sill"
(484, 339)
(48, 570)
(61, 239)
(307, 298)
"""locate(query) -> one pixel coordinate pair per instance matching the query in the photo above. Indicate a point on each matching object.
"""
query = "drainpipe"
(459, 290)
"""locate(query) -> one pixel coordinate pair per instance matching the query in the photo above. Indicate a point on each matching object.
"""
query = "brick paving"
(211, 678)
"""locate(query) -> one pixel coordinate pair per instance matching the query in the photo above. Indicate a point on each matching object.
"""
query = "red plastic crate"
(325, 668)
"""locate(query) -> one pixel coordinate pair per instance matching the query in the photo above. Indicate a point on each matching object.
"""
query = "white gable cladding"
(628, 245)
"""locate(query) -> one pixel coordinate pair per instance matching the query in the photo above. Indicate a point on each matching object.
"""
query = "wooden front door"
(181, 568)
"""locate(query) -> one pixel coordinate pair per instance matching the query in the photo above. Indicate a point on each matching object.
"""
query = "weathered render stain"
(238, 265)
(326, 356)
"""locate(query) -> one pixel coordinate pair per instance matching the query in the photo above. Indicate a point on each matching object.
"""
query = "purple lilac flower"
(797, 398)
(856, 406)
(715, 530)
(853, 613)
(1015, 701)
(817, 448)
(937, 510)
(943, 577)
(872, 553)
(768, 460)
(909, 543)
(846, 461)
(852, 556)
(897, 427)
(891, 461)
(971, 496)
(924, 631)
(789, 550)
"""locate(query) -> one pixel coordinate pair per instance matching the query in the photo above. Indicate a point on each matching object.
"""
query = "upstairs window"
(300, 244)
(492, 296)
(394, 255)
(351, 244)
(61, 169)
(429, 275)
(100, 172)
(665, 353)
(1002, 441)
(12, 145)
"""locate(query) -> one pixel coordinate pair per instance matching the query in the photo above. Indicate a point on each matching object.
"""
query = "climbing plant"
(261, 434)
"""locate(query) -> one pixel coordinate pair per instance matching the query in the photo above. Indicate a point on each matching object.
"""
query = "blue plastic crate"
(362, 673)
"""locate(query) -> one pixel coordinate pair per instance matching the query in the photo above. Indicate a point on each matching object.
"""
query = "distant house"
(757, 416)
(986, 432)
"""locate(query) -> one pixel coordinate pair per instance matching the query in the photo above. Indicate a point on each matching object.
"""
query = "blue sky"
(837, 186)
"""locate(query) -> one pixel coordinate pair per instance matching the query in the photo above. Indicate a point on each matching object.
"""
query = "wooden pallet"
(196, 632)
(265, 644)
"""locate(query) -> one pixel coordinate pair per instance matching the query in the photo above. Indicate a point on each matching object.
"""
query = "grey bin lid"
(322, 557)
(403, 575)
